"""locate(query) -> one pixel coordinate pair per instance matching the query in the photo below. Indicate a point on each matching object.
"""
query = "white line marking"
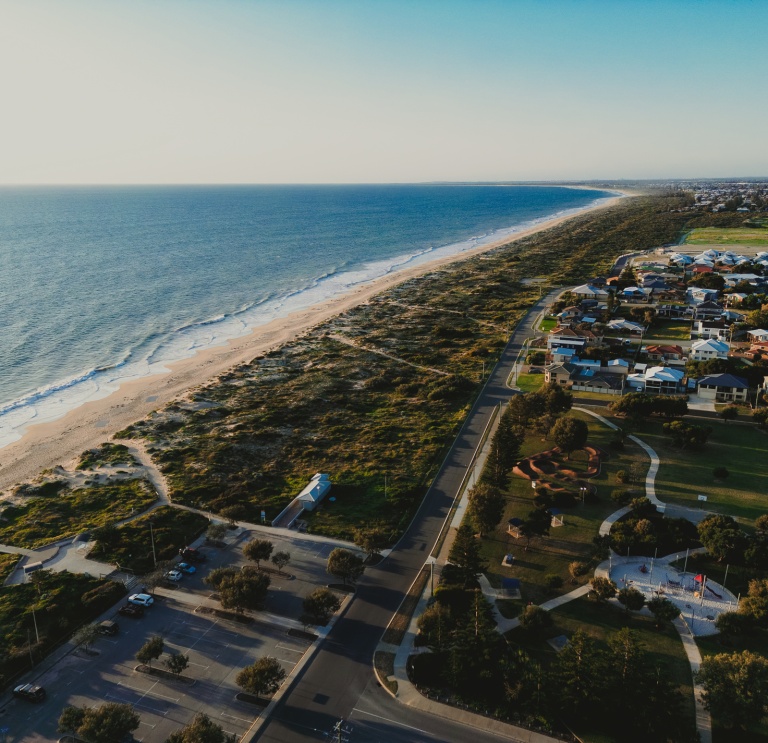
(232, 717)
(292, 650)
(150, 692)
(394, 722)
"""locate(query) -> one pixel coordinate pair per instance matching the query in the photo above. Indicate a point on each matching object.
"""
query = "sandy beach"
(59, 442)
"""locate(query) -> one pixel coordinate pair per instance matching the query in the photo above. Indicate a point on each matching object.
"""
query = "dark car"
(108, 627)
(190, 554)
(30, 692)
(131, 610)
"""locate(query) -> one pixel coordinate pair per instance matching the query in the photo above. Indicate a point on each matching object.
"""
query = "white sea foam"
(53, 401)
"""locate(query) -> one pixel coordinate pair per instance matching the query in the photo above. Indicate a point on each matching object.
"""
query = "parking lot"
(217, 648)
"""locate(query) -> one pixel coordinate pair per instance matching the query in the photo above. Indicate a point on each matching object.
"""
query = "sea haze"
(101, 285)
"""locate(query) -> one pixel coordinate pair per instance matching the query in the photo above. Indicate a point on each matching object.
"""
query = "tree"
(731, 623)
(602, 589)
(663, 610)
(201, 730)
(729, 413)
(246, 589)
(280, 560)
(345, 565)
(576, 569)
(720, 473)
(108, 723)
(86, 635)
(735, 687)
(263, 677)
(319, 606)
(755, 604)
(151, 650)
(177, 663)
(71, 719)
(215, 533)
(107, 536)
(533, 618)
(687, 435)
(504, 452)
(436, 624)
(257, 550)
(570, 434)
(721, 536)
(486, 507)
(372, 540)
(761, 524)
(465, 555)
(218, 575)
(631, 599)
(580, 673)
(536, 524)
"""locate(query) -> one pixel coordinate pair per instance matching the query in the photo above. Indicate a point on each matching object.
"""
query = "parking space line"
(232, 717)
(199, 665)
(150, 692)
(138, 704)
(291, 663)
(292, 650)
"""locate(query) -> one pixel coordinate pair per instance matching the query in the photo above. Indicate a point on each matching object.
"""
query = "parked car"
(141, 599)
(174, 575)
(185, 567)
(190, 554)
(108, 627)
(30, 692)
(131, 610)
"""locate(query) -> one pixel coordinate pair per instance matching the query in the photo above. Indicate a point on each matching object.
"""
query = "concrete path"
(703, 718)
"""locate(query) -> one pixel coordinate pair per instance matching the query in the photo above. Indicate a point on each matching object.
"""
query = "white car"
(141, 599)
(174, 575)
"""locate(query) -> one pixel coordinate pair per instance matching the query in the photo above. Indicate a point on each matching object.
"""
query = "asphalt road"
(339, 682)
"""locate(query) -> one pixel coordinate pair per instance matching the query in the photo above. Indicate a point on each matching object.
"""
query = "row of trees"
(637, 406)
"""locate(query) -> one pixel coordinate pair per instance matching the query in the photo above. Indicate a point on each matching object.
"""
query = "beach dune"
(45, 445)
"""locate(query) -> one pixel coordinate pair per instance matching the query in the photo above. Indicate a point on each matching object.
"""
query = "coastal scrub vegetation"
(375, 395)
(130, 546)
(61, 602)
(67, 512)
(106, 454)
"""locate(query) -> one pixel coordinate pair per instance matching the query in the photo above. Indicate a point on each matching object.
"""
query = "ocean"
(102, 285)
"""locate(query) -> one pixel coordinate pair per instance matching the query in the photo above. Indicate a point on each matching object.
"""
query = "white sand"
(59, 442)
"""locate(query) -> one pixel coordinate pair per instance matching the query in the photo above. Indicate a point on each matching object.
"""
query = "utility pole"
(152, 537)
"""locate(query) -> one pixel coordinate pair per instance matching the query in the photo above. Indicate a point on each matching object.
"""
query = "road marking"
(394, 722)
(289, 662)
(138, 704)
(150, 692)
(292, 650)
(148, 724)
(239, 719)
(199, 665)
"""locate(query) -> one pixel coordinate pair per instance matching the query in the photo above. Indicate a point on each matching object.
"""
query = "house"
(563, 354)
(708, 310)
(723, 388)
(569, 313)
(572, 338)
(705, 349)
(700, 268)
(618, 366)
(559, 373)
(598, 381)
(620, 325)
(698, 294)
(658, 380)
(709, 329)
(674, 311)
(756, 336)
(634, 294)
(315, 491)
(587, 291)
(664, 353)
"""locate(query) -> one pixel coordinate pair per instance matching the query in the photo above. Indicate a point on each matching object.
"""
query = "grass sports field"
(731, 237)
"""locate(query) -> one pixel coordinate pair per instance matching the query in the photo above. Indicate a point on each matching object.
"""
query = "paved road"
(331, 687)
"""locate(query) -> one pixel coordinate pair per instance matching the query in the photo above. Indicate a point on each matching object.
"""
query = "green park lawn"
(565, 544)
(730, 236)
(530, 382)
(668, 330)
(684, 475)
(548, 323)
(601, 622)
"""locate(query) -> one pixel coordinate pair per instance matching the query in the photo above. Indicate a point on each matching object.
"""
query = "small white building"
(315, 491)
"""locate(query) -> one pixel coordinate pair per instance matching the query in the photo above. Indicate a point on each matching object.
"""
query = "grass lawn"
(568, 543)
(601, 622)
(530, 382)
(580, 396)
(730, 236)
(548, 323)
(669, 330)
(683, 474)
(757, 642)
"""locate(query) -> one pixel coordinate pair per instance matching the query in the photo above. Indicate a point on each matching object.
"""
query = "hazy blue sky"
(177, 91)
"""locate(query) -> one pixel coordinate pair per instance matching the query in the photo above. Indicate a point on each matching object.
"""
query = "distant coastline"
(44, 444)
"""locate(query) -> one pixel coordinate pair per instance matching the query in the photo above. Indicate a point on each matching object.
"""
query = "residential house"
(756, 336)
(674, 311)
(587, 291)
(708, 310)
(706, 349)
(698, 294)
(572, 338)
(634, 294)
(658, 380)
(664, 353)
(559, 373)
(709, 329)
(620, 325)
(723, 388)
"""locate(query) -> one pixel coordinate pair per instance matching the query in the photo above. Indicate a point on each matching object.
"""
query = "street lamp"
(583, 490)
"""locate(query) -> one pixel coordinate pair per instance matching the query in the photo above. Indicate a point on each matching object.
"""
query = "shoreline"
(44, 445)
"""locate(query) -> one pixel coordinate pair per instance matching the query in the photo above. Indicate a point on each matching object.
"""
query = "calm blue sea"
(101, 285)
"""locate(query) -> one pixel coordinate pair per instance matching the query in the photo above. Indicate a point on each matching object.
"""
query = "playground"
(700, 600)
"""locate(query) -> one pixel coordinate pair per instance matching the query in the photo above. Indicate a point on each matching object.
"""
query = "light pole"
(152, 537)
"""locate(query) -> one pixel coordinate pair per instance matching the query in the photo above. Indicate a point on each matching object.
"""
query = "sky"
(364, 91)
